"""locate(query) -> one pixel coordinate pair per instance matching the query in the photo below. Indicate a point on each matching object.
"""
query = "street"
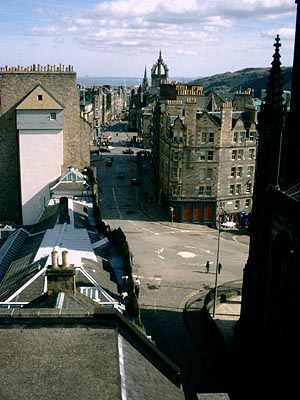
(169, 258)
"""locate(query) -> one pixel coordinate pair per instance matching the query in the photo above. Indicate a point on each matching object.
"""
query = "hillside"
(254, 78)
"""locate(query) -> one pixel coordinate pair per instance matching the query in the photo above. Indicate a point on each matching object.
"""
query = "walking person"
(137, 285)
(131, 258)
(207, 267)
(219, 267)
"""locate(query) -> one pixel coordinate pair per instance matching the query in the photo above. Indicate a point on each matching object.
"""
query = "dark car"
(104, 150)
(128, 151)
(95, 152)
(135, 182)
(120, 175)
(143, 153)
(109, 161)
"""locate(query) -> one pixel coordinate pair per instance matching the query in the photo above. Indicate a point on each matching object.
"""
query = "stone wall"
(15, 84)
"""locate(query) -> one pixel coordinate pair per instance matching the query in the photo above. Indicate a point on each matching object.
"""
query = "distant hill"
(253, 78)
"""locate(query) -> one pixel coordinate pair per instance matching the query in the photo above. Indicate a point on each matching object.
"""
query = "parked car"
(95, 152)
(229, 224)
(128, 151)
(135, 182)
(120, 175)
(109, 161)
(143, 153)
(104, 150)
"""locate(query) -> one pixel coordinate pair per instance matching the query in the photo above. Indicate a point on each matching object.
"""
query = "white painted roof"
(67, 237)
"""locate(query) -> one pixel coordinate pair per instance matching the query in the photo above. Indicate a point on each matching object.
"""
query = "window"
(52, 115)
(210, 155)
(203, 137)
(235, 137)
(250, 170)
(208, 191)
(248, 203)
(238, 189)
(242, 137)
(175, 189)
(209, 172)
(251, 154)
(174, 173)
(202, 155)
(248, 187)
(231, 191)
(90, 292)
(40, 97)
(239, 172)
(211, 137)
(237, 205)
(201, 190)
(252, 136)
(233, 155)
(176, 156)
(233, 172)
(240, 154)
(202, 174)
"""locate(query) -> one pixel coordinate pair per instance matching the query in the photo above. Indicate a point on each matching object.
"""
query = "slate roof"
(63, 344)
(24, 276)
(56, 354)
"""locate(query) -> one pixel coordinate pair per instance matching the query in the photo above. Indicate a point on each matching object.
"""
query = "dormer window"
(52, 115)
(40, 97)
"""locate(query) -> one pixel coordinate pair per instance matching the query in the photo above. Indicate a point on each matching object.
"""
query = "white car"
(229, 224)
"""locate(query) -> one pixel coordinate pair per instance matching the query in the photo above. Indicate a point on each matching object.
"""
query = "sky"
(120, 38)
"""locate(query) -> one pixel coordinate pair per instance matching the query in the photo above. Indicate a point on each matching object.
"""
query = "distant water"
(108, 80)
(118, 81)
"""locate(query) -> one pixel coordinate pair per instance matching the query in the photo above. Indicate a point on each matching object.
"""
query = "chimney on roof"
(63, 211)
(60, 277)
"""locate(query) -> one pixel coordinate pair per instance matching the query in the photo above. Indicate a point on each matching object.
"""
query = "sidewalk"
(214, 337)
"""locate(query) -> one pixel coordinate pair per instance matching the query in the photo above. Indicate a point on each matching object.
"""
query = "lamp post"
(172, 214)
(217, 267)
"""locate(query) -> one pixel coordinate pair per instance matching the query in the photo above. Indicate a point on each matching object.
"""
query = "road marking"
(115, 200)
(159, 252)
(186, 254)
(142, 228)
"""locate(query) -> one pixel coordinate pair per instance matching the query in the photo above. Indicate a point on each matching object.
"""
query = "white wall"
(41, 157)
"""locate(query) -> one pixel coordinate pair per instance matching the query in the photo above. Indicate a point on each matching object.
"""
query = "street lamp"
(172, 213)
(217, 267)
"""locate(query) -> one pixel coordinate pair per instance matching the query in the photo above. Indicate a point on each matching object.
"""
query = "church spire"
(271, 126)
(145, 81)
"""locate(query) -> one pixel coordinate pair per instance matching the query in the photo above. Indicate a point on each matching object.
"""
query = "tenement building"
(41, 135)
(205, 159)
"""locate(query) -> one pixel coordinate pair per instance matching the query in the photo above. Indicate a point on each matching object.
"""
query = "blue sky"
(122, 37)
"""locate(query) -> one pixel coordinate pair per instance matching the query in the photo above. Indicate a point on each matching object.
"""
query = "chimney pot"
(65, 259)
(54, 259)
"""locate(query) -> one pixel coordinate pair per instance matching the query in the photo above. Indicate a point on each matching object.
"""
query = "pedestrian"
(219, 267)
(131, 258)
(137, 285)
(207, 267)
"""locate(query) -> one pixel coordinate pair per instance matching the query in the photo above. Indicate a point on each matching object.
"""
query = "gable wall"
(14, 86)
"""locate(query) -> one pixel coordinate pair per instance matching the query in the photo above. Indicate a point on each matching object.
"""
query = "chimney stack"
(61, 277)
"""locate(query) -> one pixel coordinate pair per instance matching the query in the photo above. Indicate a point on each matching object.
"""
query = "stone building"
(205, 159)
(267, 339)
(41, 135)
